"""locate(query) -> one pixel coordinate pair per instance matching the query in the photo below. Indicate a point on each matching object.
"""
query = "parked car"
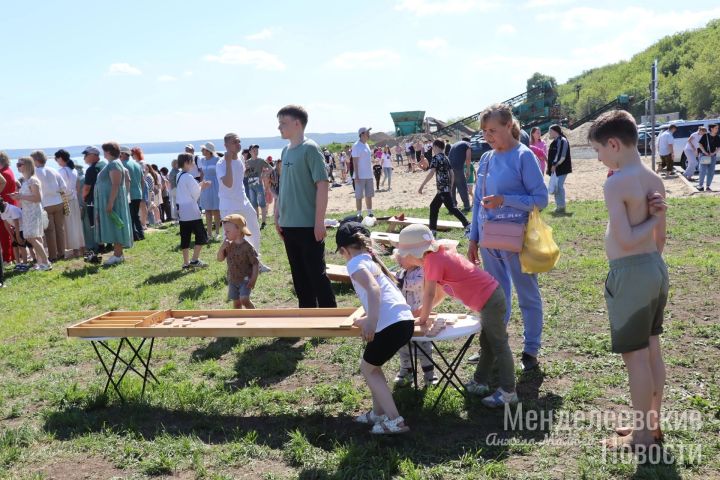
(478, 145)
(644, 143)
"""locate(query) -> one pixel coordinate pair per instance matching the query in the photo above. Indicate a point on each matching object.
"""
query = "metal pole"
(653, 97)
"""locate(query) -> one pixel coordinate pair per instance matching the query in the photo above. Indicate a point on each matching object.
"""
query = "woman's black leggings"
(443, 198)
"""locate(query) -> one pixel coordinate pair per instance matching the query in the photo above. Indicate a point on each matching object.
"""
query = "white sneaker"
(113, 260)
(264, 268)
(43, 267)
(197, 264)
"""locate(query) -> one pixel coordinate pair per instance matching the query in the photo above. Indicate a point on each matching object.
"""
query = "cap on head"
(91, 150)
(416, 240)
(190, 146)
(238, 220)
(364, 130)
(125, 150)
(345, 235)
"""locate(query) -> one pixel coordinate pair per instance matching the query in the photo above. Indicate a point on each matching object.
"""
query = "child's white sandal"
(390, 427)
(369, 418)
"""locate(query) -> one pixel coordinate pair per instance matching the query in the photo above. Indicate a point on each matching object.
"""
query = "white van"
(685, 128)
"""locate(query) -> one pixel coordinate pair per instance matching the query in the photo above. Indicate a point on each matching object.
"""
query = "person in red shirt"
(478, 291)
(7, 186)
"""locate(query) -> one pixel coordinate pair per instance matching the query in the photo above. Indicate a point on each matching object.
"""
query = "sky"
(84, 72)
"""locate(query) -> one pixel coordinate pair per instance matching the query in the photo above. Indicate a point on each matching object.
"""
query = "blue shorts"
(256, 195)
(238, 290)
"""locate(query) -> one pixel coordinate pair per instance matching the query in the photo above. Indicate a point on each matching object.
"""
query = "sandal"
(369, 418)
(390, 427)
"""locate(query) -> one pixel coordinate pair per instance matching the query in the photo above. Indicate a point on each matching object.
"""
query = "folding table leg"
(129, 367)
(413, 363)
(111, 371)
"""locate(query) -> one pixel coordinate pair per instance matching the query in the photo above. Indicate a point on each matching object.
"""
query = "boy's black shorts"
(188, 228)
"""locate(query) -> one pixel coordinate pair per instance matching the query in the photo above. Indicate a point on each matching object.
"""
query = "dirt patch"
(78, 468)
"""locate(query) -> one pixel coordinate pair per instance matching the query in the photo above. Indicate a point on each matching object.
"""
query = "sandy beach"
(585, 183)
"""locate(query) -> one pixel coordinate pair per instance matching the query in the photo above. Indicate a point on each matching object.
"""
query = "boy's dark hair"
(711, 126)
(672, 128)
(112, 148)
(164, 170)
(184, 158)
(439, 143)
(465, 139)
(615, 124)
(295, 111)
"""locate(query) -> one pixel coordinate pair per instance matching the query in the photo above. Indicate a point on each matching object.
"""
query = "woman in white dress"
(74, 238)
(33, 224)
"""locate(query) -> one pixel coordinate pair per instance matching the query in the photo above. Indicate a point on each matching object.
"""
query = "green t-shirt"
(253, 168)
(136, 178)
(302, 167)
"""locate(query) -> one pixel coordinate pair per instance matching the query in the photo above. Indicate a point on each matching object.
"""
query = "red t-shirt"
(10, 186)
(459, 278)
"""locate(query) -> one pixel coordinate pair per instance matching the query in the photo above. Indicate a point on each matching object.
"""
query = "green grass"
(282, 408)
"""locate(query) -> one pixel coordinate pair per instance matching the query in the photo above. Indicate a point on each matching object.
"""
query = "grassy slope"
(271, 408)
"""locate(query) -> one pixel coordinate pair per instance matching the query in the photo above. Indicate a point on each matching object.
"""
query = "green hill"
(689, 77)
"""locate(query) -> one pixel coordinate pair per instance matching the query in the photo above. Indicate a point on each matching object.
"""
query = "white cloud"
(123, 69)
(263, 34)
(238, 55)
(433, 44)
(166, 78)
(432, 7)
(506, 29)
(365, 60)
(546, 3)
(187, 73)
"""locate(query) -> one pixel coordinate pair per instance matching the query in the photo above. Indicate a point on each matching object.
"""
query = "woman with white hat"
(209, 199)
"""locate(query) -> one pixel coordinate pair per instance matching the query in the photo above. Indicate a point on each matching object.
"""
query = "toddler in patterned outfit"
(410, 280)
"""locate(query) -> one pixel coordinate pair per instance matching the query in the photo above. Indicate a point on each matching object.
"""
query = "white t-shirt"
(362, 152)
(387, 162)
(665, 140)
(693, 143)
(11, 213)
(194, 170)
(231, 198)
(187, 196)
(70, 176)
(51, 184)
(393, 307)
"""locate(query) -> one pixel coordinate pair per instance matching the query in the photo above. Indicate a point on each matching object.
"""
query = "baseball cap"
(125, 150)
(346, 234)
(209, 146)
(91, 150)
(364, 129)
(254, 145)
(415, 240)
(238, 220)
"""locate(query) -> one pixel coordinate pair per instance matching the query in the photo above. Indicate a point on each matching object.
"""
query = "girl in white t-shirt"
(387, 325)
(387, 168)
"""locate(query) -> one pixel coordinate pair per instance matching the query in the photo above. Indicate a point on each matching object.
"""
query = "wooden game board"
(395, 224)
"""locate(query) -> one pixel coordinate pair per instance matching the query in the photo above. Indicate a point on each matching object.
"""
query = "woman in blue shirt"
(509, 186)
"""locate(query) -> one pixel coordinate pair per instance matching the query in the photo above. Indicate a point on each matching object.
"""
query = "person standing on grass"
(665, 146)
(188, 195)
(7, 186)
(209, 197)
(135, 172)
(509, 186)
(95, 165)
(440, 168)
(460, 161)
(538, 147)
(112, 214)
(363, 172)
(560, 164)
(53, 187)
(74, 238)
(172, 178)
(300, 210)
(231, 172)
(636, 289)
(255, 167)
(242, 261)
(33, 215)
(387, 326)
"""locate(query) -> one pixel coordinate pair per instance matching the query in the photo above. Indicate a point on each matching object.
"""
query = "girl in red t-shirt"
(478, 291)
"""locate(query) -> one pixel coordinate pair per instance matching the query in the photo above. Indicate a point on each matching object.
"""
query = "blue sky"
(154, 70)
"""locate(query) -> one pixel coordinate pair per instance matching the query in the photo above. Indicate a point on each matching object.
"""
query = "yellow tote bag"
(540, 253)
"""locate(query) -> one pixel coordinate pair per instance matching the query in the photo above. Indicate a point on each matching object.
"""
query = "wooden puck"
(194, 319)
(187, 318)
(241, 322)
(185, 325)
(462, 316)
(203, 317)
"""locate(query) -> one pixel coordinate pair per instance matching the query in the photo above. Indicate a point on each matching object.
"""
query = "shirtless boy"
(636, 288)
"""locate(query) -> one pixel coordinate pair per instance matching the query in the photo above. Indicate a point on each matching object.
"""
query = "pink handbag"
(506, 236)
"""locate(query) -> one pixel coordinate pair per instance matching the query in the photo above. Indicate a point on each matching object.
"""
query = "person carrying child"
(410, 281)
(187, 196)
(387, 325)
(636, 288)
(243, 265)
(440, 167)
(479, 292)
(11, 216)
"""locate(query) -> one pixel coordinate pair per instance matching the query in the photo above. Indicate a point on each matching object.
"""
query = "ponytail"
(515, 130)
(364, 243)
